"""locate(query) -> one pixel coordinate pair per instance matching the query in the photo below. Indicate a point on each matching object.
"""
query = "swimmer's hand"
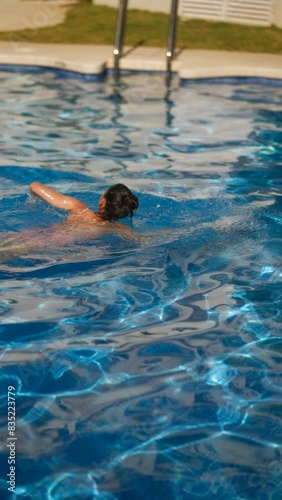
(57, 199)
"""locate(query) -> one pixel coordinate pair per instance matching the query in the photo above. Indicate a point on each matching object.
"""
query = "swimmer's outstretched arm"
(57, 199)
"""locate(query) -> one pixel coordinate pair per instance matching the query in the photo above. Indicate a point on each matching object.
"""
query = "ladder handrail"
(171, 34)
(120, 30)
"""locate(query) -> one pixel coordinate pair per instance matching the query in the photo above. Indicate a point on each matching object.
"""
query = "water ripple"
(154, 369)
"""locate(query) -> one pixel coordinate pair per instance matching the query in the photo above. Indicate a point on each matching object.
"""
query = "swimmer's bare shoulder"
(89, 230)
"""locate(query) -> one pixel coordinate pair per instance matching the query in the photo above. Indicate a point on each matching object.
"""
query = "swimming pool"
(146, 370)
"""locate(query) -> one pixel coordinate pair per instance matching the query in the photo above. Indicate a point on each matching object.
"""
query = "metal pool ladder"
(120, 30)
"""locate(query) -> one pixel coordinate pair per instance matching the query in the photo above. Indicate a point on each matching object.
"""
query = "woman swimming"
(82, 223)
(116, 203)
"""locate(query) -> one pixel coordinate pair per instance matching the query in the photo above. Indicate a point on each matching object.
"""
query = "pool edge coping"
(95, 60)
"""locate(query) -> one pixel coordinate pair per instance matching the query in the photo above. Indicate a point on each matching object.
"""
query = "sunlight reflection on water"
(149, 369)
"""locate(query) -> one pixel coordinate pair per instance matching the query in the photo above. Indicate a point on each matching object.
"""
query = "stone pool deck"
(94, 60)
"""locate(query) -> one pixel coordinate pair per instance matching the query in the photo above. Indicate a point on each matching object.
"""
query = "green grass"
(89, 24)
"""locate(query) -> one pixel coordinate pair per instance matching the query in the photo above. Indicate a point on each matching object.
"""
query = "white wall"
(277, 13)
(152, 5)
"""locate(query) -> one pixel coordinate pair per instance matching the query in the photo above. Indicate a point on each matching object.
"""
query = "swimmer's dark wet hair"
(120, 202)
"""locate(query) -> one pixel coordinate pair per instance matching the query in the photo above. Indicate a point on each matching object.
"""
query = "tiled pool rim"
(59, 73)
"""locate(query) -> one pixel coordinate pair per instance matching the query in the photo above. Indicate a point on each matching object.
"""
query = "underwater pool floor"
(144, 370)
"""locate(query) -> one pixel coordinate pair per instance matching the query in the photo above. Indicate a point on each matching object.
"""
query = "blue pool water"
(144, 370)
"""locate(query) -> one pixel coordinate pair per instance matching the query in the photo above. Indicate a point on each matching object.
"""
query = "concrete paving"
(87, 59)
(18, 14)
(93, 60)
(212, 63)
